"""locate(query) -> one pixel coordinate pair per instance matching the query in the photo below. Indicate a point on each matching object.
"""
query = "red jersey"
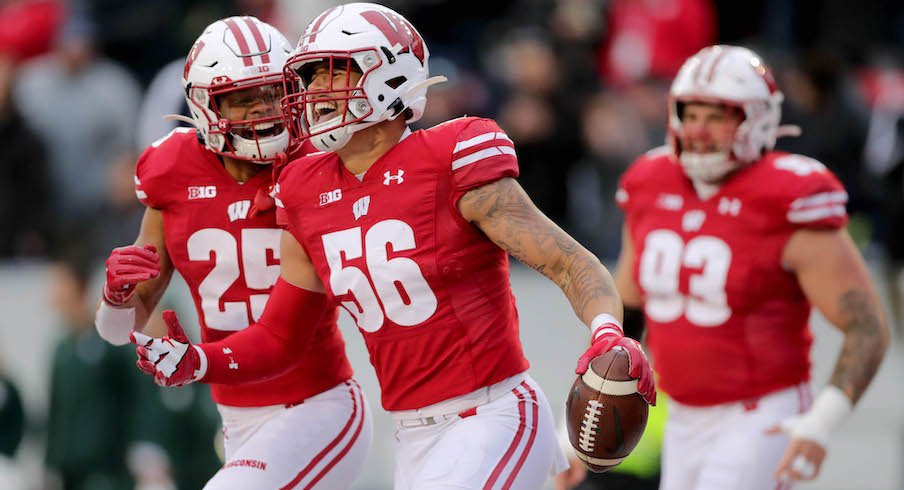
(725, 320)
(428, 290)
(230, 261)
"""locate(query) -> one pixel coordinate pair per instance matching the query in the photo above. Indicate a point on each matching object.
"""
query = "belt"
(435, 419)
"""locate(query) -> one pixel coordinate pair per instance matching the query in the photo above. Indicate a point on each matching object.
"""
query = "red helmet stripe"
(240, 39)
(715, 64)
(259, 39)
(315, 26)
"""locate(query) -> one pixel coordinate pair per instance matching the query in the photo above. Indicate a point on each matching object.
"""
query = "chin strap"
(792, 130)
(179, 117)
(426, 83)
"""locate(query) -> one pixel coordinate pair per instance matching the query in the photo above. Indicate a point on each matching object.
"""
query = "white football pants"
(320, 443)
(725, 446)
(502, 436)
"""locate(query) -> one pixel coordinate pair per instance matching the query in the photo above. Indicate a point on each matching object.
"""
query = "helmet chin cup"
(707, 168)
(333, 139)
(261, 150)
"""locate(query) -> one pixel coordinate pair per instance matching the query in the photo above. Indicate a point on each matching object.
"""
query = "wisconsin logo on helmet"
(192, 56)
(397, 31)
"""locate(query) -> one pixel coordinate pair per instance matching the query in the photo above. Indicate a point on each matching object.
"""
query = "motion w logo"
(238, 210)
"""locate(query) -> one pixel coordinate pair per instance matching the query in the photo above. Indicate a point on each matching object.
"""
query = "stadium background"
(580, 87)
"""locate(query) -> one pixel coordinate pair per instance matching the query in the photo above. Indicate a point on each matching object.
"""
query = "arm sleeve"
(271, 346)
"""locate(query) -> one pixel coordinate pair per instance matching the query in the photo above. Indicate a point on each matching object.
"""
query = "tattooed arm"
(504, 212)
(832, 274)
(834, 277)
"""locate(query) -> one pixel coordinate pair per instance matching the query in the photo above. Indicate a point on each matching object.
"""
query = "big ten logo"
(330, 197)
(256, 69)
(202, 191)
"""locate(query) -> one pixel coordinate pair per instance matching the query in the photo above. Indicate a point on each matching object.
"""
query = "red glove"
(606, 337)
(126, 267)
(171, 360)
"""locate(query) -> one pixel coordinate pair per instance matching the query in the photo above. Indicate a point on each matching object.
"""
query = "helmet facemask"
(257, 138)
(326, 100)
(709, 165)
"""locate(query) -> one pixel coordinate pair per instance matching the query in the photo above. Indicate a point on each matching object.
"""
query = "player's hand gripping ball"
(605, 414)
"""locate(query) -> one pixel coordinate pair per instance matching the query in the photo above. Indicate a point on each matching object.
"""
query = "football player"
(410, 231)
(727, 245)
(205, 189)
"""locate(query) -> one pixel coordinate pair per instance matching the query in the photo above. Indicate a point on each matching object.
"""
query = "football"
(604, 413)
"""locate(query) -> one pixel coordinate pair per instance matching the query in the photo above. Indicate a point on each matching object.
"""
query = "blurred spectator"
(164, 96)
(293, 16)
(821, 100)
(884, 156)
(121, 212)
(85, 108)
(12, 417)
(141, 35)
(651, 38)
(24, 197)
(98, 400)
(465, 92)
(539, 117)
(28, 28)
(613, 132)
(12, 422)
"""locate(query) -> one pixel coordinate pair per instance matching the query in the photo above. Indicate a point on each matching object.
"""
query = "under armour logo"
(389, 177)
(730, 206)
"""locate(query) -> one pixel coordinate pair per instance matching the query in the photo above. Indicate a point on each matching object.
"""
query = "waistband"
(463, 403)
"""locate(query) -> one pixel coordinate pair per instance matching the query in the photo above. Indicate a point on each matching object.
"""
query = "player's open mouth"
(262, 130)
(323, 111)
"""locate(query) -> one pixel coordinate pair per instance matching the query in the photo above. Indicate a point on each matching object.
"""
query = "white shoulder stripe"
(279, 202)
(481, 155)
(815, 213)
(140, 194)
(481, 138)
(823, 198)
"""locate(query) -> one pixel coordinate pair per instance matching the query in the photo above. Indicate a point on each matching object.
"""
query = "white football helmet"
(370, 38)
(233, 54)
(737, 77)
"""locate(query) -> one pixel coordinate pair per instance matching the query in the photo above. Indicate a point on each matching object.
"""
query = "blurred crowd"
(579, 85)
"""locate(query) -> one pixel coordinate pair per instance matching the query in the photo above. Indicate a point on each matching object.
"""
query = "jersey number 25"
(220, 245)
